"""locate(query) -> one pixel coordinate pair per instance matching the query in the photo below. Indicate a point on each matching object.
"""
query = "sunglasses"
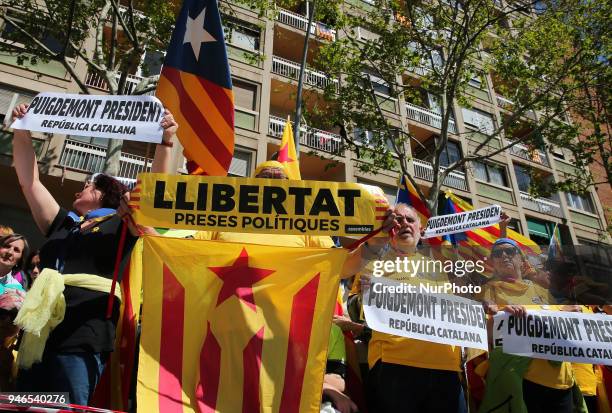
(498, 253)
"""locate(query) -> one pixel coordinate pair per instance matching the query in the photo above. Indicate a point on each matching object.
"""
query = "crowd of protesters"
(76, 265)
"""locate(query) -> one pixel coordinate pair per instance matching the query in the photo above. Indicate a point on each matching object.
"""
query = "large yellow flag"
(233, 327)
(287, 154)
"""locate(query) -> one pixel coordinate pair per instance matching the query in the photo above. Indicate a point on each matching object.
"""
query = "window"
(476, 81)
(152, 62)
(54, 41)
(363, 136)
(379, 85)
(9, 98)
(479, 120)
(582, 202)
(240, 35)
(245, 94)
(450, 154)
(494, 174)
(558, 153)
(247, 104)
(241, 163)
(523, 178)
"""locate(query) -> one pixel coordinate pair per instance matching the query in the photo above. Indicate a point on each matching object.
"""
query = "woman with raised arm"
(65, 345)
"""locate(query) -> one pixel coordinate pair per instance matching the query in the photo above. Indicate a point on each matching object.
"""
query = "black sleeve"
(59, 219)
(336, 367)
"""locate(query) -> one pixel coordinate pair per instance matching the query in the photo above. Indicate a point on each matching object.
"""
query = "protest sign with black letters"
(134, 118)
(556, 335)
(461, 222)
(412, 311)
(257, 205)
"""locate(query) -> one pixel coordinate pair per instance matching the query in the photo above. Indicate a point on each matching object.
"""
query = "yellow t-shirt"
(406, 351)
(533, 297)
(280, 240)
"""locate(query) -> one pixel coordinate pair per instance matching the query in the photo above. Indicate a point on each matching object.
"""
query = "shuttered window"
(245, 94)
(241, 163)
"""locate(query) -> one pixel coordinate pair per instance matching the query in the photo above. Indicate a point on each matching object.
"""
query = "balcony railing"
(424, 170)
(545, 206)
(428, 117)
(502, 102)
(90, 158)
(535, 155)
(291, 70)
(311, 137)
(301, 22)
(96, 81)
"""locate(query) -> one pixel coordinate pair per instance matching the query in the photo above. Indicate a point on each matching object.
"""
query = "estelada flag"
(287, 154)
(234, 327)
(196, 86)
(113, 390)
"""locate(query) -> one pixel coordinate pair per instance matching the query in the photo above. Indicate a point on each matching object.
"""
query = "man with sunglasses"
(543, 385)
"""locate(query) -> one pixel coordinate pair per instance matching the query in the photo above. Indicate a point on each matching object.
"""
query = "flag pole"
(298, 103)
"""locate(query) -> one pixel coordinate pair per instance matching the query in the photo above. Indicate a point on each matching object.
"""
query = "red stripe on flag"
(220, 98)
(381, 201)
(302, 312)
(207, 388)
(251, 363)
(197, 120)
(381, 209)
(171, 351)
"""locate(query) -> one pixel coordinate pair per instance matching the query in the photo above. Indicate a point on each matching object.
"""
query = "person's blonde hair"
(5, 230)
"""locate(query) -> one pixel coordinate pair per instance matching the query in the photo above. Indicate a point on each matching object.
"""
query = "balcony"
(89, 158)
(428, 117)
(98, 82)
(542, 205)
(290, 69)
(534, 155)
(504, 103)
(298, 21)
(311, 137)
(424, 170)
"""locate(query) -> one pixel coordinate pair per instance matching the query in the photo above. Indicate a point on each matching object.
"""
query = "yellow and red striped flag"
(234, 328)
(196, 86)
(287, 154)
(115, 384)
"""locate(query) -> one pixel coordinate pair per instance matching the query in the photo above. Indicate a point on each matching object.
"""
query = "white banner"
(463, 221)
(556, 335)
(413, 311)
(133, 118)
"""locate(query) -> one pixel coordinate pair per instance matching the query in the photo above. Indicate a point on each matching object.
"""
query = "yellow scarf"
(44, 308)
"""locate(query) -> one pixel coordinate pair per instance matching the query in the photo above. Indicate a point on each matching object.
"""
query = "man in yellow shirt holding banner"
(409, 374)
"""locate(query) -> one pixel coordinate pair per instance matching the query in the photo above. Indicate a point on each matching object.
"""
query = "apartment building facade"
(264, 58)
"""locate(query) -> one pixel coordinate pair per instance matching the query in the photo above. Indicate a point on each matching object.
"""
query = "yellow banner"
(234, 328)
(257, 205)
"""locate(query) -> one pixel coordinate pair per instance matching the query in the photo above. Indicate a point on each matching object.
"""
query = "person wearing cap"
(537, 385)
(68, 337)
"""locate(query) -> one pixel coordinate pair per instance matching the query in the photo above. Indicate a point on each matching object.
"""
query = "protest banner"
(417, 311)
(461, 222)
(257, 205)
(134, 118)
(556, 335)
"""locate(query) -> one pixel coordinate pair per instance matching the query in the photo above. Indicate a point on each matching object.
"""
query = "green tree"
(542, 62)
(110, 38)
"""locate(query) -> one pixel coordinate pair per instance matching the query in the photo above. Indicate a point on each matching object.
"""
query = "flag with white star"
(196, 86)
(234, 327)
